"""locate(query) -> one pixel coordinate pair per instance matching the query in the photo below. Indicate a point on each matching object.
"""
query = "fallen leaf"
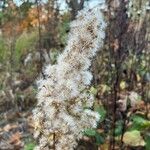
(133, 138)
(15, 138)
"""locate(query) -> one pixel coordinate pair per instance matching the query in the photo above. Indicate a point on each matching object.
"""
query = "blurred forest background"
(34, 32)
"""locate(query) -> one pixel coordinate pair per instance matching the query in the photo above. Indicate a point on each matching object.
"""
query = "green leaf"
(90, 132)
(101, 110)
(138, 119)
(147, 140)
(29, 146)
(119, 127)
(99, 139)
(139, 123)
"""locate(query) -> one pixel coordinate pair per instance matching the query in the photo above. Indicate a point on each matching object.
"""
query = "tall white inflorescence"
(60, 115)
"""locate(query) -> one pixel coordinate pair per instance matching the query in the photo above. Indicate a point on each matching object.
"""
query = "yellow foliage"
(133, 138)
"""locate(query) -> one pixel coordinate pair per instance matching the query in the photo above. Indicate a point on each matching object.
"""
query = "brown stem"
(40, 38)
(54, 141)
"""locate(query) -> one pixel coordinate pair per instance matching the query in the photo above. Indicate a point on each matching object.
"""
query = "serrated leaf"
(139, 123)
(101, 110)
(99, 139)
(133, 138)
(90, 132)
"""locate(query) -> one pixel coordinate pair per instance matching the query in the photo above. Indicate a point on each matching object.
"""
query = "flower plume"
(60, 115)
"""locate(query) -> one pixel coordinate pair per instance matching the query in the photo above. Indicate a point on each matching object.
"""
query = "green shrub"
(3, 50)
(25, 43)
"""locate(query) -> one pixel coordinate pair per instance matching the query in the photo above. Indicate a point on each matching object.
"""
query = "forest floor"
(16, 130)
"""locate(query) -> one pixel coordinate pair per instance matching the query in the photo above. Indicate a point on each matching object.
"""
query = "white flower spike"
(60, 115)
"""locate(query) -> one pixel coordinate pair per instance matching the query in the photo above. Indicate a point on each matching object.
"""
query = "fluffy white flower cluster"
(60, 115)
